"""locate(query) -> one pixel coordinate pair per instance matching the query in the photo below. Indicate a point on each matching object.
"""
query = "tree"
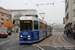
(8, 24)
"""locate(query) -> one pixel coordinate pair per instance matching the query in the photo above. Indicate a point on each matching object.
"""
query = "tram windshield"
(25, 25)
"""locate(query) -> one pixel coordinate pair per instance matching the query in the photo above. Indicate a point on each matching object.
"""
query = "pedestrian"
(74, 33)
(71, 31)
(64, 31)
(67, 31)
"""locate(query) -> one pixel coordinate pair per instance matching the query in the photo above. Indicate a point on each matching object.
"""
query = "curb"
(66, 41)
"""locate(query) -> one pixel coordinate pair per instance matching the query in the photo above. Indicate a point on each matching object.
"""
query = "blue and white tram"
(32, 29)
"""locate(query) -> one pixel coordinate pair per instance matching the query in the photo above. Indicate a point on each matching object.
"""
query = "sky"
(53, 13)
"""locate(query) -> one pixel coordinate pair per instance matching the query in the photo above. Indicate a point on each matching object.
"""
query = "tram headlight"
(29, 36)
(21, 36)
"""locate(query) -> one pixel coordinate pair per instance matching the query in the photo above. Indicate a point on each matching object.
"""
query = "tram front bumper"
(25, 39)
(28, 41)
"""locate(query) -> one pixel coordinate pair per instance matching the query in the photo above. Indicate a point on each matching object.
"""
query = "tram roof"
(32, 18)
(28, 18)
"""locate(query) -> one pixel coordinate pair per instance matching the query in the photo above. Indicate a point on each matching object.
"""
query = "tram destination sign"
(25, 21)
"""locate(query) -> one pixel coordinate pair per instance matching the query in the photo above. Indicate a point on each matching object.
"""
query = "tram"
(33, 29)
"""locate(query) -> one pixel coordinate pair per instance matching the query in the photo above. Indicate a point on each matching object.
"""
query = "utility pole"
(42, 15)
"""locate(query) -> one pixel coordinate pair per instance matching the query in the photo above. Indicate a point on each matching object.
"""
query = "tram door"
(35, 32)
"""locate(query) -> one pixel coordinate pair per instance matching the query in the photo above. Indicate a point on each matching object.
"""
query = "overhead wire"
(41, 4)
(32, 1)
(36, 5)
(6, 2)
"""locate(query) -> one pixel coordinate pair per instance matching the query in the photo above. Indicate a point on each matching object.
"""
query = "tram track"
(58, 41)
(66, 41)
(51, 40)
(55, 41)
(62, 43)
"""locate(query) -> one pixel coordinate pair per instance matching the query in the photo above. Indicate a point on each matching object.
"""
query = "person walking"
(71, 31)
(67, 31)
(74, 33)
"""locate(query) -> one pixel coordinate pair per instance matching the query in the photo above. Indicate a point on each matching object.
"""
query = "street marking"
(39, 47)
(6, 41)
(56, 48)
(36, 47)
(12, 47)
(69, 47)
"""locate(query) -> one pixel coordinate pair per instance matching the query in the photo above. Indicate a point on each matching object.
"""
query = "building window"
(2, 14)
(5, 15)
(2, 23)
(8, 16)
(2, 19)
(7, 20)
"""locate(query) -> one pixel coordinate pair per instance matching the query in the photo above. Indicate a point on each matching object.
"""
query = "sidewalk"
(69, 40)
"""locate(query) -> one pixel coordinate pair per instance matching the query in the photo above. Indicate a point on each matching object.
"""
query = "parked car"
(3, 32)
(9, 33)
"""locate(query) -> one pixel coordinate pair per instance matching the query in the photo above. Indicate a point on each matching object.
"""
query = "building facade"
(16, 13)
(68, 13)
(4, 15)
(73, 21)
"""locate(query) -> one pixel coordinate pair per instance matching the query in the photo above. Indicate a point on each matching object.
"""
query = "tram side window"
(36, 25)
(40, 27)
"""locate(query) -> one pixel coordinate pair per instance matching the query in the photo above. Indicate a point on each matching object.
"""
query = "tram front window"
(25, 26)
